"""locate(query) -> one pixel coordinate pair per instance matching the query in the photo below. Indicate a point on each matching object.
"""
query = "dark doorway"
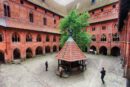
(29, 53)
(115, 51)
(16, 54)
(93, 48)
(103, 50)
(39, 51)
(2, 58)
(54, 48)
(47, 49)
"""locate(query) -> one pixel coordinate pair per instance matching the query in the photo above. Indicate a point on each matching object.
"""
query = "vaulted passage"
(29, 53)
(2, 58)
(103, 50)
(16, 54)
(93, 48)
(39, 51)
(54, 48)
(115, 51)
(47, 49)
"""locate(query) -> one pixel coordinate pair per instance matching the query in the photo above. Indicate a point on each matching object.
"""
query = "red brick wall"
(108, 18)
(125, 45)
(20, 14)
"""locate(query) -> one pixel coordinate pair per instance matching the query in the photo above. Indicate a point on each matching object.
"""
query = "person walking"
(46, 65)
(103, 73)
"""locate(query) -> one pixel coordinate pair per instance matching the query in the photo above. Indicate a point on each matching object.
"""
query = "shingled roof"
(70, 52)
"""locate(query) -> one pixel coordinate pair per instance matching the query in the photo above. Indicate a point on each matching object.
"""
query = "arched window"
(1, 37)
(103, 37)
(39, 39)
(28, 38)
(31, 17)
(54, 38)
(93, 38)
(15, 37)
(47, 38)
(6, 10)
(115, 37)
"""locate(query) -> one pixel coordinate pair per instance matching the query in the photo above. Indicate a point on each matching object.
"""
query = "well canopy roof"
(70, 52)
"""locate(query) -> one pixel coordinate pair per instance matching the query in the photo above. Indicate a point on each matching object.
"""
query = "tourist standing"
(46, 65)
(103, 73)
(61, 71)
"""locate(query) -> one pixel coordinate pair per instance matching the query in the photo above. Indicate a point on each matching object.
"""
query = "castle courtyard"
(31, 73)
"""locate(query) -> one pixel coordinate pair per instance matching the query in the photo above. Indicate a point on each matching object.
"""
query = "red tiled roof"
(70, 52)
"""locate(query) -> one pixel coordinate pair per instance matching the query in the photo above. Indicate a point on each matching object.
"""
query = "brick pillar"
(109, 51)
(23, 54)
(97, 50)
(44, 50)
(51, 48)
(33, 52)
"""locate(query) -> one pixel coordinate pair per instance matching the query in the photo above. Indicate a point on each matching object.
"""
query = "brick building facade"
(27, 30)
(124, 29)
(103, 28)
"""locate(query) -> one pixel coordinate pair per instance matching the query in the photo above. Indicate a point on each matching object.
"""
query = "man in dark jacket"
(46, 65)
(103, 73)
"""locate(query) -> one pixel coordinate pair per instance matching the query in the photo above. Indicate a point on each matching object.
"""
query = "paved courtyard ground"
(31, 73)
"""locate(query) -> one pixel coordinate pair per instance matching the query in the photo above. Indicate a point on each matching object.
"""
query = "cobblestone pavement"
(31, 73)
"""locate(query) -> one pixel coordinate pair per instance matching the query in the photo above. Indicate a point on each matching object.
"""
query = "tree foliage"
(77, 24)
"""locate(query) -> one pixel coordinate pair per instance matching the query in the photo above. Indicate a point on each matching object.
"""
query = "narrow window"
(44, 21)
(54, 21)
(1, 37)
(47, 38)
(114, 6)
(31, 17)
(54, 39)
(102, 10)
(7, 10)
(103, 27)
(21, 1)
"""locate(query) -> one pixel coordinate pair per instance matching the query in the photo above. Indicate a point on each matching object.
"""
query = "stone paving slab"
(31, 73)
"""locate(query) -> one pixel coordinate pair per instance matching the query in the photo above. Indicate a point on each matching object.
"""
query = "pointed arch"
(15, 37)
(54, 48)
(29, 53)
(28, 37)
(16, 53)
(39, 50)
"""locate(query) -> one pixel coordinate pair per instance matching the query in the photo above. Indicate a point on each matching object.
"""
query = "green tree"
(77, 24)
